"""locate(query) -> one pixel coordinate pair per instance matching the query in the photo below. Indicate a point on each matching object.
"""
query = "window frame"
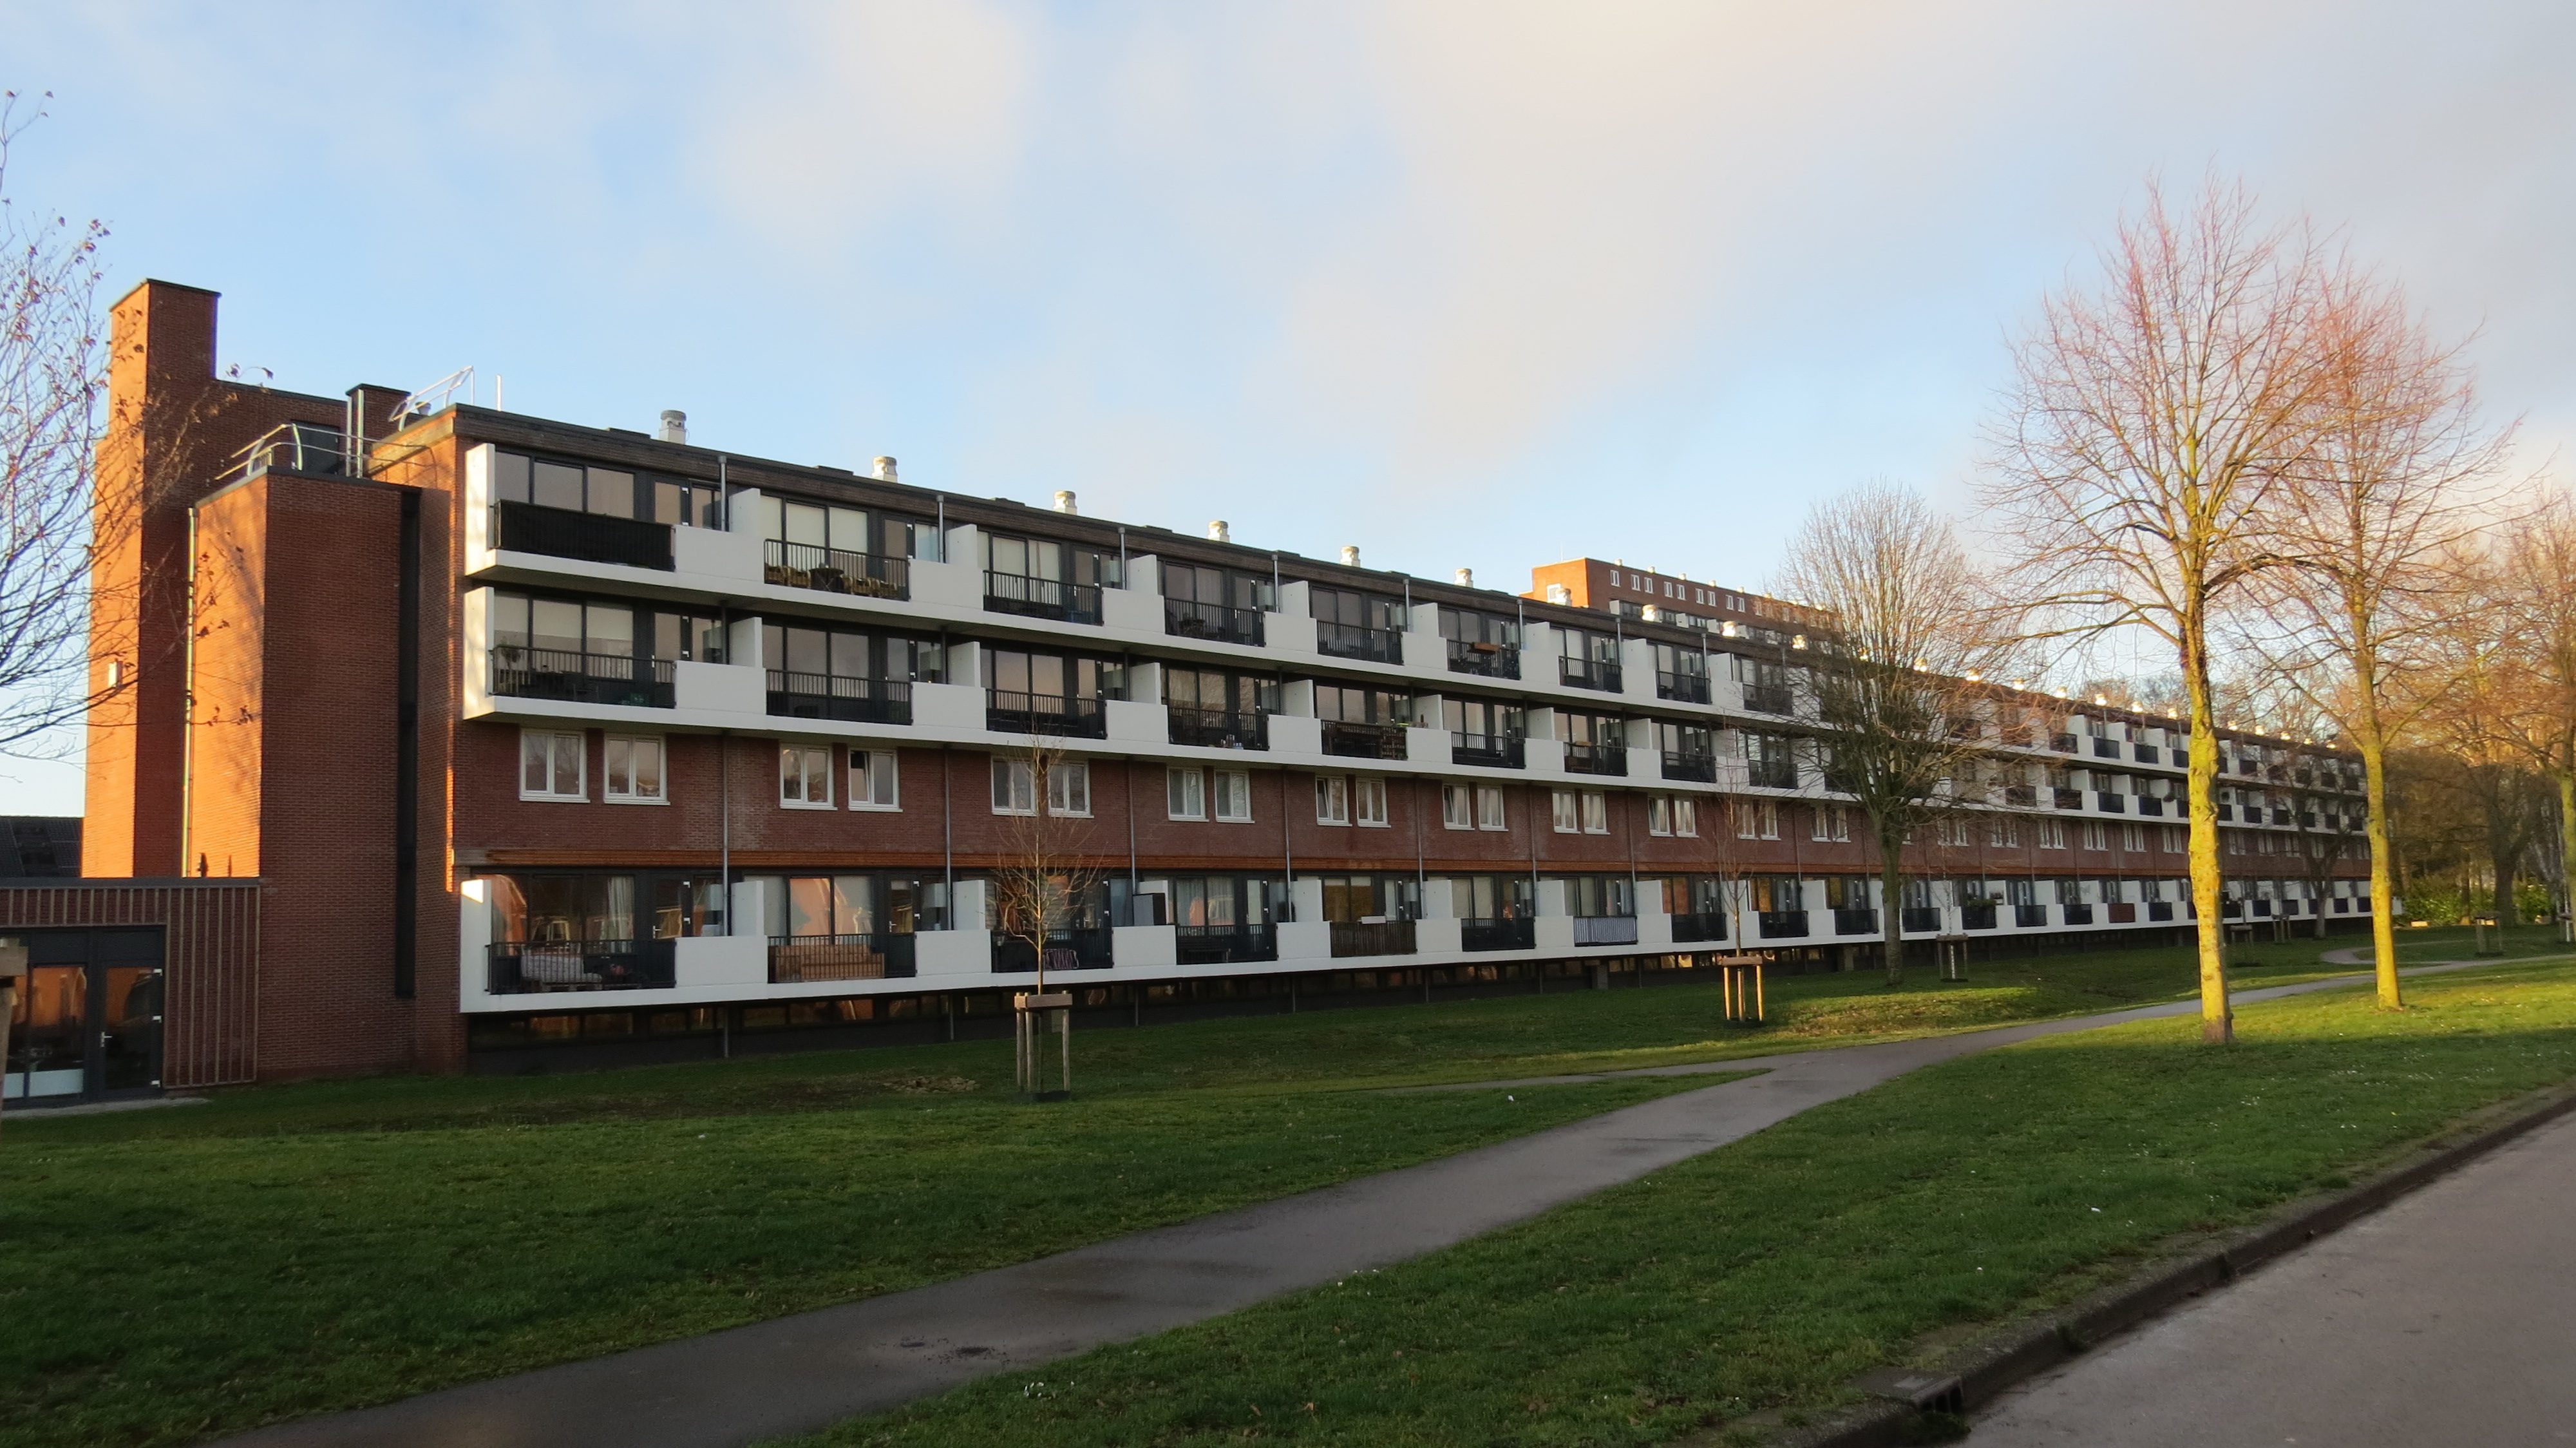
(867, 800)
(1457, 805)
(581, 765)
(1596, 811)
(1064, 778)
(1369, 804)
(1185, 793)
(1014, 788)
(608, 790)
(1333, 800)
(1499, 820)
(1237, 782)
(807, 773)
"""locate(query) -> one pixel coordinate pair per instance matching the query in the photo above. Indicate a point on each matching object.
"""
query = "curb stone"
(1924, 1405)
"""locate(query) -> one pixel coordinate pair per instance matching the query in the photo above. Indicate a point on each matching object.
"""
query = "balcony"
(1219, 728)
(1223, 944)
(2106, 748)
(1372, 937)
(1780, 924)
(525, 673)
(528, 967)
(1490, 660)
(1041, 597)
(2147, 753)
(1690, 764)
(2226, 811)
(1598, 674)
(1498, 934)
(837, 570)
(1684, 688)
(2181, 758)
(1065, 950)
(2150, 805)
(1596, 759)
(2109, 803)
(2078, 914)
(1009, 712)
(799, 959)
(2160, 910)
(1605, 929)
(1215, 622)
(1769, 698)
(1920, 920)
(1494, 751)
(2030, 917)
(1977, 915)
(1857, 921)
(590, 537)
(1351, 641)
(2062, 743)
(1363, 741)
(2068, 798)
(1771, 773)
(820, 696)
(2280, 817)
(2124, 914)
(2021, 795)
(1699, 927)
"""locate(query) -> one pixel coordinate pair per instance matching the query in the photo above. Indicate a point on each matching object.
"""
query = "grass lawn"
(1762, 1275)
(289, 1250)
(2459, 942)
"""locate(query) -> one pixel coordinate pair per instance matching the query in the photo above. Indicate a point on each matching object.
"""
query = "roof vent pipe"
(1064, 501)
(885, 469)
(1350, 555)
(1466, 578)
(675, 425)
(1217, 531)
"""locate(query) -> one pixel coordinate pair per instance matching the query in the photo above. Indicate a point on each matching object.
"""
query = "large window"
(1481, 643)
(550, 765)
(1233, 789)
(593, 650)
(805, 776)
(1355, 704)
(1045, 578)
(1218, 708)
(634, 770)
(1185, 793)
(1354, 625)
(1213, 603)
(1770, 760)
(1032, 691)
(875, 782)
(827, 673)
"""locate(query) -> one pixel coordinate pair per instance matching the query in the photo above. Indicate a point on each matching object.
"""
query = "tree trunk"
(2383, 899)
(2217, 1021)
(2565, 775)
(1891, 903)
(2504, 870)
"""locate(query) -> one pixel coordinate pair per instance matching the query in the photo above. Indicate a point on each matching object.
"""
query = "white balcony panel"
(1295, 735)
(1131, 723)
(941, 956)
(720, 688)
(1305, 939)
(1434, 938)
(1144, 947)
(720, 962)
(948, 708)
(702, 558)
(1427, 746)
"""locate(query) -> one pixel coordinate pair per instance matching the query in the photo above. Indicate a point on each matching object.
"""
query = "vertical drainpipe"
(724, 822)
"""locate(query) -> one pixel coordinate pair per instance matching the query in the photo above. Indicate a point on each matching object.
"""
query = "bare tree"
(2139, 454)
(2483, 710)
(1895, 676)
(2531, 582)
(2369, 522)
(1044, 886)
(53, 381)
(2309, 705)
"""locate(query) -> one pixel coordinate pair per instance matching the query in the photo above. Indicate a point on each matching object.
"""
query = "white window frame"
(812, 762)
(1069, 789)
(1332, 799)
(1014, 787)
(1685, 817)
(875, 771)
(1457, 806)
(608, 772)
(1659, 814)
(1368, 802)
(2174, 839)
(1185, 794)
(1233, 802)
(1564, 814)
(2003, 832)
(2097, 835)
(1490, 812)
(2052, 834)
(556, 742)
(1596, 812)
(1832, 824)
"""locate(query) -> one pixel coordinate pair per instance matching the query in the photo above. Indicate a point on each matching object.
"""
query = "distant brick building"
(541, 737)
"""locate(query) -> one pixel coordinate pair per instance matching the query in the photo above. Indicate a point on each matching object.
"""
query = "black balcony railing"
(1861, 920)
(1498, 934)
(2150, 805)
(1041, 597)
(526, 673)
(1353, 641)
(1224, 944)
(1589, 674)
(1977, 915)
(2023, 796)
(1771, 773)
(1188, 619)
(2106, 748)
(794, 695)
(2030, 917)
(2123, 913)
(1496, 751)
(2181, 758)
(2231, 909)
(2078, 914)
(2281, 816)
(2225, 810)
(1596, 759)
(1699, 926)
(1065, 950)
(1687, 688)
(1219, 728)
(1492, 660)
(1920, 919)
(591, 537)
(1605, 929)
(796, 959)
(1010, 712)
(838, 570)
(1769, 698)
(1363, 741)
(1372, 937)
(519, 967)
(2263, 908)
(2062, 743)
(2160, 910)
(1690, 764)
(2147, 753)
(2109, 803)
(2068, 798)
(1781, 924)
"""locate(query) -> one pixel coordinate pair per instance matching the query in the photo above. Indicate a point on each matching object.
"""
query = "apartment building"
(541, 736)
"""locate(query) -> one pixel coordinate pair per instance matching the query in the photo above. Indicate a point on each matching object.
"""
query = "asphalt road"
(2449, 1317)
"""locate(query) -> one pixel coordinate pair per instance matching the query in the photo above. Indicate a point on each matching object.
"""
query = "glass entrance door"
(88, 1018)
(49, 1033)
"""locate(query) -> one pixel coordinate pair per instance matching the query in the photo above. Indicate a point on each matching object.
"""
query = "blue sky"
(1468, 285)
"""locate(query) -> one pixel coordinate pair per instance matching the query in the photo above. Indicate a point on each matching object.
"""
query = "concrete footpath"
(796, 1374)
(2448, 1316)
